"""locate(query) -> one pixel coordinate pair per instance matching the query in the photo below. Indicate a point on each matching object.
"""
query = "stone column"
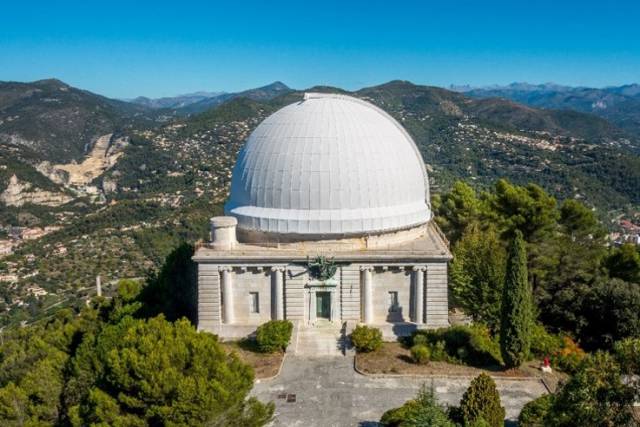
(227, 295)
(418, 280)
(334, 305)
(312, 307)
(366, 276)
(277, 281)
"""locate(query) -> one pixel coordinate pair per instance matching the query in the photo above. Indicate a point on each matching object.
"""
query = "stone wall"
(346, 303)
(350, 292)
(245, 281)
(209, 316)
(437, 306)
(398, 280)
(294, 294)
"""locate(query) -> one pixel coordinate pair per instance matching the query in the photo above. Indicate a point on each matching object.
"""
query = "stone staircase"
(322, 340)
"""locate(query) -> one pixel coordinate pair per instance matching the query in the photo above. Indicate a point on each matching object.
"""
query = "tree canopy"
(113, 365)
(162, 373)
(477, 274)
(595, 395)
(570, 269)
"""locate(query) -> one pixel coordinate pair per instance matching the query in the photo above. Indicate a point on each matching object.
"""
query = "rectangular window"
(393, 301)
(254, 300)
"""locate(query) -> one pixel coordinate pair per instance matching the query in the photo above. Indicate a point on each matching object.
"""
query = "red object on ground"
(546, 361)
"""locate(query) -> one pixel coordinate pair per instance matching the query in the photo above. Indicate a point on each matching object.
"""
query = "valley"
(120, 193)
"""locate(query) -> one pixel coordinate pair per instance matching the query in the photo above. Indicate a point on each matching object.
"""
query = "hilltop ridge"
(166, 175)
(618, 104)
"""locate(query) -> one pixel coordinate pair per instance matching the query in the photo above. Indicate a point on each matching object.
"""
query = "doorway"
(323, 305)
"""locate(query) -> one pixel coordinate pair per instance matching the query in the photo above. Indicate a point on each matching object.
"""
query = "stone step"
(319, 342)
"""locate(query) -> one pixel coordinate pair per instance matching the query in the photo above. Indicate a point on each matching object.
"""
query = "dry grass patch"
(265, 365)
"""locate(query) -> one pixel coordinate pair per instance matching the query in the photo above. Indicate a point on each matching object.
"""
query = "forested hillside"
(618, 104)
(58, 122)
(168, 178)
(570, 154)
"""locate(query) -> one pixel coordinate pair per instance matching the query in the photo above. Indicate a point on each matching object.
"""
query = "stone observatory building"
(328, 222)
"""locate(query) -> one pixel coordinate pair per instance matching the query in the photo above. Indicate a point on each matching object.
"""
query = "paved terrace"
(327, 391)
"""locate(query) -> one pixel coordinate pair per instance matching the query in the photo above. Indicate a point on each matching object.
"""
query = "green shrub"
(397, 416)
(132, 372)
(462, 353)
(569, 357)
(420, 339)
(482, 401)
(366, 339)
(627, 354)
(472, 345)
(533, 413)
(274, 335)
(480, 422)
(424, 410)
(483, 347)
(439, 352)
(543, 343)
(456, 336)
(128, 289)
(596, 394)
(420, 354)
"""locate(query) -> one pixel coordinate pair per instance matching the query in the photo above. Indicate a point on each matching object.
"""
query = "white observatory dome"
(329, 166)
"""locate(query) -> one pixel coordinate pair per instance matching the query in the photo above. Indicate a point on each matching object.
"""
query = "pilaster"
(366, 276)
(277, 283)
(228, 316)
(418, 294)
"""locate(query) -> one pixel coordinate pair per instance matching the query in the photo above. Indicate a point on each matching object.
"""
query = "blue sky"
(129, 48)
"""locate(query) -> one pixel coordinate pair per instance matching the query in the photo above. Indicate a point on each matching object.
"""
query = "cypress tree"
(517, 307)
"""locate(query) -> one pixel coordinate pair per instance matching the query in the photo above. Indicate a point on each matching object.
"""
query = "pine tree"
(517, 307)
(427, 411)
(481, 403)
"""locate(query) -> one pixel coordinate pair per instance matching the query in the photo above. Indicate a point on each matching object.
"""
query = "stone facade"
(335, 177)
(398, 288)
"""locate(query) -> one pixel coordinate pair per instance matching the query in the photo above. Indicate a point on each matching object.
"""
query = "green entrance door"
(323, 305)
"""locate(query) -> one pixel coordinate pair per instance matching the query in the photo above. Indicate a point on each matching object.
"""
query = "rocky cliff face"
(55, 121)
(105, 153)
(18, 194)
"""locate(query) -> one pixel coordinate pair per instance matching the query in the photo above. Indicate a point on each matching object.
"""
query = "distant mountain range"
(618, 104)
(479, 134)
(124, 183)
(201, 101)
(570, 153)
(59, 122)
(51, 121)
(175, 102)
